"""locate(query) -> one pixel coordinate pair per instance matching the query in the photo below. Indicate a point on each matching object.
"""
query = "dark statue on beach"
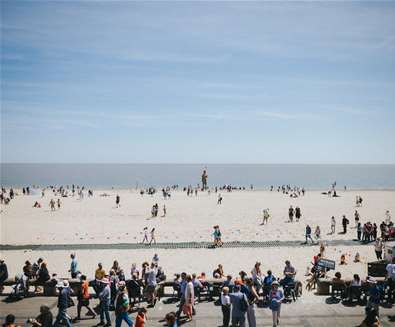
(204, 180)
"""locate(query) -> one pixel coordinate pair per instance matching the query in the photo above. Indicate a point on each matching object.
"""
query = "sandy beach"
(96, 220)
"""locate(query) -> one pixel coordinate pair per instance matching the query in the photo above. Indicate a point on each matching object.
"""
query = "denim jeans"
(105, 311)
(62, 316)
(123, 316)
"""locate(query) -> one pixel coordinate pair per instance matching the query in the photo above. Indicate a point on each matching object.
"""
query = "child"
(343, 260)
(141, 317)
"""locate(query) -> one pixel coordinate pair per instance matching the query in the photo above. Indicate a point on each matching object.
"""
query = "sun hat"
(275, 283)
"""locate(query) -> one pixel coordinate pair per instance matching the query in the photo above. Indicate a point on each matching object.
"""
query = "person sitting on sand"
(219, 272)
(357, 257)
(343, 260)
(36, 205)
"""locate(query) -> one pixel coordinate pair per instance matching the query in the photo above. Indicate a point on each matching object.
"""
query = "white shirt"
(225, 299)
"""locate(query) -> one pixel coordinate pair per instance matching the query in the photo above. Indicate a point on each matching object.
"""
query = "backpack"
(243, 304)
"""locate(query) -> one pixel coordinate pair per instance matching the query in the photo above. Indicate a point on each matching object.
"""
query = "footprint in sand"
(108, 238)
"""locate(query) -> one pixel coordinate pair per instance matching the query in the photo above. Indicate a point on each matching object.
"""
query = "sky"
(198, 82)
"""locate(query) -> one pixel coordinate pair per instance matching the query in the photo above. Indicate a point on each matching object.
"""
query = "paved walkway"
(169, 245)
(306, 312)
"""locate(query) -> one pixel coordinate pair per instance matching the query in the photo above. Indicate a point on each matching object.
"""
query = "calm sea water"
(260, 175)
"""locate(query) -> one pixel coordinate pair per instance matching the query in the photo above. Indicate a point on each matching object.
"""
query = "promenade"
(303, 313)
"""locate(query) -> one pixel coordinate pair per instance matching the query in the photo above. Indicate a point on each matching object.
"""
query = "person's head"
(170, 319)
(275, 285)
(43, 265)
(72, 255)
(99, 265)
(183, 275)
(44, 309)
(249, 281)
(112, 272)
(229, 277)
(142, 311)
(193, 276)
(83, 277)
(9, 320)
(27, 263)
(338, 275)
(225, 290)
(40, 260)
(115, 264)
(189, 278)
(356, 277)
(121, 285)
(287, 262)
(219, 266)
(237, 288)
(257, 265)
(269, 272)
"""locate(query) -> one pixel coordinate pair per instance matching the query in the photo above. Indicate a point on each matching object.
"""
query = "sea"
(261, 176)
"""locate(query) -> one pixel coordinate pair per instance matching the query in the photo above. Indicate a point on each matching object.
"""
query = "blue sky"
(198, 82)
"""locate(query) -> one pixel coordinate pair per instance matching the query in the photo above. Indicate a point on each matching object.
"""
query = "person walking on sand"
(164, 211)
(378, 248)
(117, 201)
(345, 222)
(219, 199)
(333, 225)
(145, 239)
(298, 213)
(152, 236)
(59, 203)
(52, 205)
(291, 214)
(308, 234)
(266, 216)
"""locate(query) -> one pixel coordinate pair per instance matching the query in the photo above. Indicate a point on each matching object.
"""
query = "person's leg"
(79, 306)
(274, 315)
(234, 321)
(102, 313)
(127, 319)
(107, 313)
(242, 321)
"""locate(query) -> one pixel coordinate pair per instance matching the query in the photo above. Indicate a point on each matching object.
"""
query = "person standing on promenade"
(378, 248)
(225, 306)
(239, 307)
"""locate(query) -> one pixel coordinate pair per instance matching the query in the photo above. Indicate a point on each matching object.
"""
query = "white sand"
(96, 220)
